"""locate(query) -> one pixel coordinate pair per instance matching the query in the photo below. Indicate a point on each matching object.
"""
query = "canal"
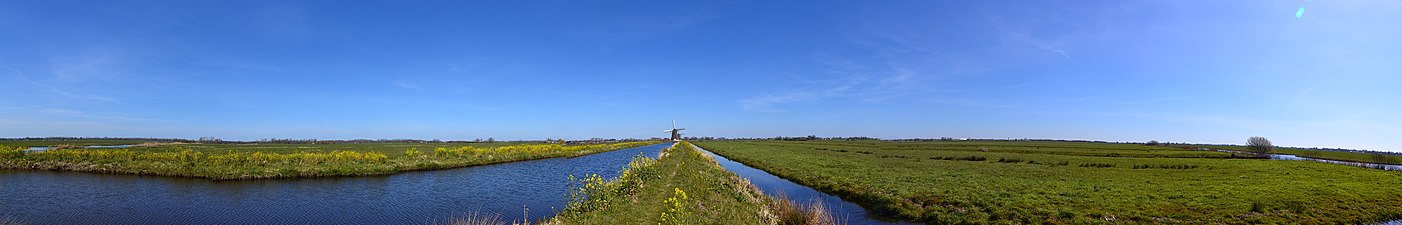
(530, 189)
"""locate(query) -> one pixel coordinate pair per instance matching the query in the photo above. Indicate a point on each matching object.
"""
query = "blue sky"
(1178, 71)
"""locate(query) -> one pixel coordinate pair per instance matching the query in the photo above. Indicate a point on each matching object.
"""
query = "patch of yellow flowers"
(676, 212)
(11, 152)
(591, 192)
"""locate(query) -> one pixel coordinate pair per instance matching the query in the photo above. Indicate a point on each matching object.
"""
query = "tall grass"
(7, 220)
(475, 218)
(789, 211)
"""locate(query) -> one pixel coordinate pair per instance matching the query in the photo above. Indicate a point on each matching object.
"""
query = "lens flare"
(1301, 12)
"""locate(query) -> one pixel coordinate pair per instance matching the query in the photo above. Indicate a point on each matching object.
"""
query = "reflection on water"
(773, 185)
(1301, 158)
(45, 148)
(1358, 164)
(46, 197)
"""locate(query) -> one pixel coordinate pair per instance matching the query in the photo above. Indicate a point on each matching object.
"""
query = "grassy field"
(288, 161)
(684, 186)
(1075, 183)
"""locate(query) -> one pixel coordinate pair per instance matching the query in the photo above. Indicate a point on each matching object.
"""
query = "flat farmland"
(1074, 182)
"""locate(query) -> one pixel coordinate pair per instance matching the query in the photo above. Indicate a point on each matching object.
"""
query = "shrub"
(1097, 165)
(973, 158)
(1006, 160)
(1259, 145)
(8, 152)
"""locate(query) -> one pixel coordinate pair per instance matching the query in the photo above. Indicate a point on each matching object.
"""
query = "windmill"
(676, 132)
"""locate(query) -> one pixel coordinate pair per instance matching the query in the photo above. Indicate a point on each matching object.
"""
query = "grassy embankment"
(683, 186)
(1323, 154)
(1075, 183)
(71, 142)
(285, 161)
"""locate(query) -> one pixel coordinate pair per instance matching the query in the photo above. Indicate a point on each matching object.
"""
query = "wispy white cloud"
(842, 79)
(770, 102)
(60, 111)
(406, 84)
(55, 89)
(1016, 36)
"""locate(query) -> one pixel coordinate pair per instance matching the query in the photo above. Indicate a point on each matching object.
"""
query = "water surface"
(1358, 164)
(48, 197)
(46, 148)
(774, 185)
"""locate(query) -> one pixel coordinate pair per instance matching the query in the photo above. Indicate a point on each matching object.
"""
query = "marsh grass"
(8, 220)
(1097, 165)
(230, 164)
(476, 218)
(791, 212)
(1075, 183)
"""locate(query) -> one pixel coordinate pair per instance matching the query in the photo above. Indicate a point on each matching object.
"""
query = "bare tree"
(1259, 145)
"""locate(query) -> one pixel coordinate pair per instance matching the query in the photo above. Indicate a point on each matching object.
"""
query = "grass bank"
(70, 142)
(1074, 183)
(251, 162)
(1324, 154)
(683, 186)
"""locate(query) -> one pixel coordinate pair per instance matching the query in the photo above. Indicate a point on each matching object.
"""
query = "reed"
(475, 218)
(790, 212)
(7, 220)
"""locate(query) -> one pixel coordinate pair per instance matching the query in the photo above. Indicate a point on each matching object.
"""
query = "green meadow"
(1018, 182)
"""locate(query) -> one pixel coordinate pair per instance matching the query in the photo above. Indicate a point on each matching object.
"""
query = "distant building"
(676, 132)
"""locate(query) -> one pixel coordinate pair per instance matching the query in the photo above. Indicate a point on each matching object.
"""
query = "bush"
(1259, 145)
(973, 158)
(1097, 165)
(1007, 160)
(7, 152)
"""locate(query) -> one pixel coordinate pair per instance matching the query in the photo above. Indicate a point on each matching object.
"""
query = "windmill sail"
(676, 135)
